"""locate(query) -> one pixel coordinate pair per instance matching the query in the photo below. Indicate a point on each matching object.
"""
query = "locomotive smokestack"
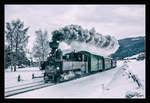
(53, 44)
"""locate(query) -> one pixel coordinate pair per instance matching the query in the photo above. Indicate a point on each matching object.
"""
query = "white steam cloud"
(74, 37)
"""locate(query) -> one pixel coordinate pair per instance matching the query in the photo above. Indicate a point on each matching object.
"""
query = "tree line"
(16, 40)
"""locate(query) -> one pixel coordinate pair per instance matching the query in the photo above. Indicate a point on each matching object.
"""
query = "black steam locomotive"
(60, 67)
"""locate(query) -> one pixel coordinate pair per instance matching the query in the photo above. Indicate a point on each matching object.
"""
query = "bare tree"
(17, 39)
(41, 45)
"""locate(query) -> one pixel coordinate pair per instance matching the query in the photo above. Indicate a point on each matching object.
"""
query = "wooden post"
(102, 88)
(19, 78)
(33, 76)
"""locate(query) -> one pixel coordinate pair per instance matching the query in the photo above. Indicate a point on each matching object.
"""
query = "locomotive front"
(53, 67)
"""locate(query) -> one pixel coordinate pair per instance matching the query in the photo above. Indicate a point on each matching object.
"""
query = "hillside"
(129, 47)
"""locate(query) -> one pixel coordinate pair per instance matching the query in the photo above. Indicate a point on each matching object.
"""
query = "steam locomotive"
(60, 67)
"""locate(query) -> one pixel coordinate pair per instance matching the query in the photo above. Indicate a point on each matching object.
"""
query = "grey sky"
(120, 21)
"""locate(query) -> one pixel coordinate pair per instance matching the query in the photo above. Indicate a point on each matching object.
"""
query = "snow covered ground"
(25, 74)
(114, 83)
(134, 56)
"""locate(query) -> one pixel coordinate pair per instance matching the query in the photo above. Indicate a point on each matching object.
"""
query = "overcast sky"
(120, 21)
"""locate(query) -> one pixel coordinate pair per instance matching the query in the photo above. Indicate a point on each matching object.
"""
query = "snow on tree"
(41, 46)
(16, 38)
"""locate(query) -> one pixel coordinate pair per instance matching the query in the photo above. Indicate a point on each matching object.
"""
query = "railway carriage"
(107, 63)
(84, 61)
(96, 63)
(113, 63)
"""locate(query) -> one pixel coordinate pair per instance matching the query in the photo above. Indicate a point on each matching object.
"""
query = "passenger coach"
(87, 62)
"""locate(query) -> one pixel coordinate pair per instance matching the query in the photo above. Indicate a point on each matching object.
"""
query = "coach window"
(85, 58)
(80, 58)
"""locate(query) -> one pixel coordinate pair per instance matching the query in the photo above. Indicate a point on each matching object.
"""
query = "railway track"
(18, 89)
(10, 91)
(19, 85)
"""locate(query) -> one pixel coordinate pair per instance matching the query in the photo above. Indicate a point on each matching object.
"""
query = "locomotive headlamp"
(58, 68)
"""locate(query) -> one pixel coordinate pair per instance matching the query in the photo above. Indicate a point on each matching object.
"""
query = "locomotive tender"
(59, 68)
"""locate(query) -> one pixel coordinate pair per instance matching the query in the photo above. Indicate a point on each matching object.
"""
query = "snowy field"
(114, 83)
(11, 78)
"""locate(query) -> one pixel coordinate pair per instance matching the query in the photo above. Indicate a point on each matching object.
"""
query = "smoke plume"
(74, 37)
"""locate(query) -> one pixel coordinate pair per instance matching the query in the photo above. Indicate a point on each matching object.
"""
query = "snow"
(114, 83)
(136, 39)
(134, 56)
(138, 69)
(25, 74)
